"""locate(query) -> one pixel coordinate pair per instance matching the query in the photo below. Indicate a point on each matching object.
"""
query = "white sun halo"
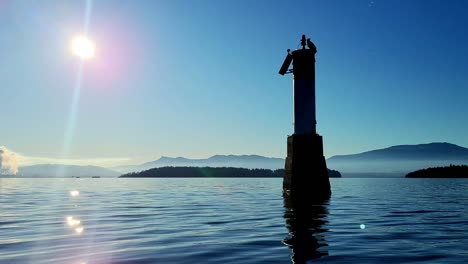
(83, 47)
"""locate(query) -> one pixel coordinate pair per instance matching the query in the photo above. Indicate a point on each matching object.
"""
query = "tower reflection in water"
(306, 225)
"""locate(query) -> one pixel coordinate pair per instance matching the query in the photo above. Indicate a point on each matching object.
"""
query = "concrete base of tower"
(306, 175)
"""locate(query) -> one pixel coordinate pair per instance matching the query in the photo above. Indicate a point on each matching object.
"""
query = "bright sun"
(83, 47)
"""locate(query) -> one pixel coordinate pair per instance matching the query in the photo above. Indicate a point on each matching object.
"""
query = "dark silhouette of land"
(428, 151)
(394, 161)
(399, 160)
(236, 161)
(451, 171)
(207, 172)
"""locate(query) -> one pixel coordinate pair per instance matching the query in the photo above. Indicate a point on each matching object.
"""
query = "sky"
(199, 78)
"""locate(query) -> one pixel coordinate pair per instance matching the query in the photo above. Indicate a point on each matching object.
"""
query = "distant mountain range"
(399, 160)
(235, 161)
(392, 161)
(58, 170)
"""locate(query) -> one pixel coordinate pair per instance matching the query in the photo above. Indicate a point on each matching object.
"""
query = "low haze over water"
(213, 220)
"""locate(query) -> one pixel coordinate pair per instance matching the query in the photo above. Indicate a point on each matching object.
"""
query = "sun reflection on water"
(79, 230)
(75, 223)
(72, 221)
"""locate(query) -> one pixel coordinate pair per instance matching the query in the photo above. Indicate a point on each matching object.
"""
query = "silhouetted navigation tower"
(306, 173)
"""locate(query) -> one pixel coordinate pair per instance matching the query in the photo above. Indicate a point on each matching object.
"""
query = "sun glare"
(83, 47)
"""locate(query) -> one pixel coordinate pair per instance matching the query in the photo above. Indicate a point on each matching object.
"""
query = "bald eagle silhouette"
(311, 45)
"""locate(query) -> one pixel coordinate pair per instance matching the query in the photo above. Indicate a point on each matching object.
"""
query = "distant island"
(452, 171)
(208, 172)
(235, 161)
(397, 161)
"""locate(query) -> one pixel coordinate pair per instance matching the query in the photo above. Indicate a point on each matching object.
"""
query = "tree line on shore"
(452, 171)
(218, 172)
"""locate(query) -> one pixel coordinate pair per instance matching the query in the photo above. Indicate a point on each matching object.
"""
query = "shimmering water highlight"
(231, 221)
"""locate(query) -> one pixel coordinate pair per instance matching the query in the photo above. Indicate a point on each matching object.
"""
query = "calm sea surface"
(231, 221)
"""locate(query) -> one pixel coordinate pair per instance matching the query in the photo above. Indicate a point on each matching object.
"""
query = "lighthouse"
(306, 175)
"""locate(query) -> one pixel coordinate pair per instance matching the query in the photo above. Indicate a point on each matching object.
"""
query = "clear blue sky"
(197, 78)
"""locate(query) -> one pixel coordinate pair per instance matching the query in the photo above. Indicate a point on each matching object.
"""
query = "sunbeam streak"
(73, 114)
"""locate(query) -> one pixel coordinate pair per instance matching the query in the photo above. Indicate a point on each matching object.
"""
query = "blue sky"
(198, 78)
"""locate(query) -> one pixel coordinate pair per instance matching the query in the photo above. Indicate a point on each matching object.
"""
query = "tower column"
(306, 174)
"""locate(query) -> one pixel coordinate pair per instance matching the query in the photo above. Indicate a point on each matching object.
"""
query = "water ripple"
(231, 221)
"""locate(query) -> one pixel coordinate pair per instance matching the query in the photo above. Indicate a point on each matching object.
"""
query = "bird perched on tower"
(311, 45)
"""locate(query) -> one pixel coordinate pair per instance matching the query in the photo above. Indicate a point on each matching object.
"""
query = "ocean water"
(393, 220)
